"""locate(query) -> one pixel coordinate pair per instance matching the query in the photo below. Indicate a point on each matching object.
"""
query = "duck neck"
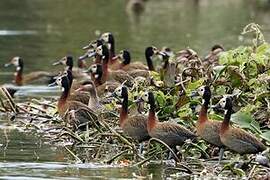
(93, 100)
(124, 110)
(64, 96)
(226, 122)
(203, 112)
(152, 119)
(19, 76)
(105, 69)
(166, 63)
(149, 63)
(98, 59)
(112, 52)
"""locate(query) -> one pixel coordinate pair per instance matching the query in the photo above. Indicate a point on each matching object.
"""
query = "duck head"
(93, 44)
(108, 38)
(17, 62)
(225, 103)
(121, 92)
(67, 61)
(90, 53)
(124, 55)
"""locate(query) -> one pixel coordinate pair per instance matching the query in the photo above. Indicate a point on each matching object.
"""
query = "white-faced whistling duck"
(136, 125)
(119, 76)
(91, 47)
(236, 139)
(126, 63)
(68, 62)
(108, 38)
(31, 78)
(90, 88)
(170, 133)
(208, 129)
(74, 113)
(213, 57)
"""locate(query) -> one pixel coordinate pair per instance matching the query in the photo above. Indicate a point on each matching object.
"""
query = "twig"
(76, 157)
(161, 142)
(116, 156)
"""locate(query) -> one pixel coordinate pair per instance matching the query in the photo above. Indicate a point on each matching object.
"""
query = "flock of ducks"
(115, 74)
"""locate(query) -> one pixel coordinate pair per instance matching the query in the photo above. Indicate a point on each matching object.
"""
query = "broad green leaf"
(266, 135)
(245, 120)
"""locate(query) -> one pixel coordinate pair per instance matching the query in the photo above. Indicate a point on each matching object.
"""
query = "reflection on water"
(14, 33)
(44, 31)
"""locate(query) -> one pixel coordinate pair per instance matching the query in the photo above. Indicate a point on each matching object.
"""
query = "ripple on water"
(17, 32)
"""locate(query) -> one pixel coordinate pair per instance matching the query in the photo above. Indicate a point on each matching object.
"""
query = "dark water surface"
(42, 31)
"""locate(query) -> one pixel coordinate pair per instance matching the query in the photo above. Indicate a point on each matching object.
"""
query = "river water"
(42, 31)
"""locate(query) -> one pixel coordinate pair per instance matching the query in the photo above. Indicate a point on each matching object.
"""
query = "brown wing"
(38, 76)
(171, 133)
(139, 72)
(136, 127)
(80, 113)
(122, 76)
(80, 96)
(134, 66)
(108, 86)
(246, 138)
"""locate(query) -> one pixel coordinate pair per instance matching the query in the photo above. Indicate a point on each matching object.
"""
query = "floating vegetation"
(242, 73)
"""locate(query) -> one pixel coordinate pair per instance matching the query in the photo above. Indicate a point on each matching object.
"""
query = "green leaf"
(194, 85)
(266, 136)
(245, 120)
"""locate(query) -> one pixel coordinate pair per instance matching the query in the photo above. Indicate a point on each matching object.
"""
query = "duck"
(104, 74)
(126, 63)
(89, 88)
(170, 133)
(91, 50)
(208, 129)
(109, 39)
(234, 138)
(213, 57)
(74, 113)
(168, 69)
(30, 78)
(97, 74)
(135, 125)
(77, 73)
(149, 53)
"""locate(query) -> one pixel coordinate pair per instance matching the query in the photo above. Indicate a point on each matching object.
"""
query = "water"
(44, 31)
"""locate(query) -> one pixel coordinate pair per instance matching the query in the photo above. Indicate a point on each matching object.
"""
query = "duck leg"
(221, 153)
(141, 148)
(170, 153)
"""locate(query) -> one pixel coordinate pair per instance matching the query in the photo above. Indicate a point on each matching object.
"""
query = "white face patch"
(94, 68)
(105, 37)
(145, 97)
(15, 61)
(201, 90)
(118, 91)
(121, 55)
(99, 50)
(59, 81)
(222, 102)
(155, 50)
